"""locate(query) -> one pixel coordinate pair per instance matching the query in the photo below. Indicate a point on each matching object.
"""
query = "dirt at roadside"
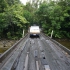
(7, 43)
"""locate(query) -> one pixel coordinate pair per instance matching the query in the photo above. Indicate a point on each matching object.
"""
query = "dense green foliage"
(52, 15)
(55, 16)
(12, 21)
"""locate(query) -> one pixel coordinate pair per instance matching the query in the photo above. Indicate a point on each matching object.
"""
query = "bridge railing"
(60, 45)
(6, 53)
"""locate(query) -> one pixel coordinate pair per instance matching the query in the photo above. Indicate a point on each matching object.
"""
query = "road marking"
(26, 62)
(37, 65)
(46, 67)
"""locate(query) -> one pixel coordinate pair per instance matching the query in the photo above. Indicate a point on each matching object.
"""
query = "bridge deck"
(37, 54)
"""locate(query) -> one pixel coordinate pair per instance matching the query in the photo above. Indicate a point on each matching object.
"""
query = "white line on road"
(37, 65)
(26, 62)
(46, 67)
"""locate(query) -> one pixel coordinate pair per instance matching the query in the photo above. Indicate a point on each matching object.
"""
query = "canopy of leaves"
(12, 21)
(55, 16)
(49, 15)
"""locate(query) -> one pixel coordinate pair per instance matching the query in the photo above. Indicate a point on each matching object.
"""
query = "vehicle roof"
(34, 27)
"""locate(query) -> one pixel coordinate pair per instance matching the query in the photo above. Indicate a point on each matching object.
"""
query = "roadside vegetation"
(49, 15)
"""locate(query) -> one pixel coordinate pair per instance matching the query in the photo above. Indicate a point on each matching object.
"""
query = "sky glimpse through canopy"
(23, 1)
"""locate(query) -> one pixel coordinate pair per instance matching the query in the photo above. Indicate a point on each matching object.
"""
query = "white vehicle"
(34, 31)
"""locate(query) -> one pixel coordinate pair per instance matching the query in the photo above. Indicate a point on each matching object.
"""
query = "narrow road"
(37, 54)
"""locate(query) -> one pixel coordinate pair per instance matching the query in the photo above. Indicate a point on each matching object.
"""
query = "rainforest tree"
(12, 20)
(49, 15)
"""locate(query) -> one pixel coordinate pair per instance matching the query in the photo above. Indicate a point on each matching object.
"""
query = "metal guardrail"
(60, 45)
(6, 53)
